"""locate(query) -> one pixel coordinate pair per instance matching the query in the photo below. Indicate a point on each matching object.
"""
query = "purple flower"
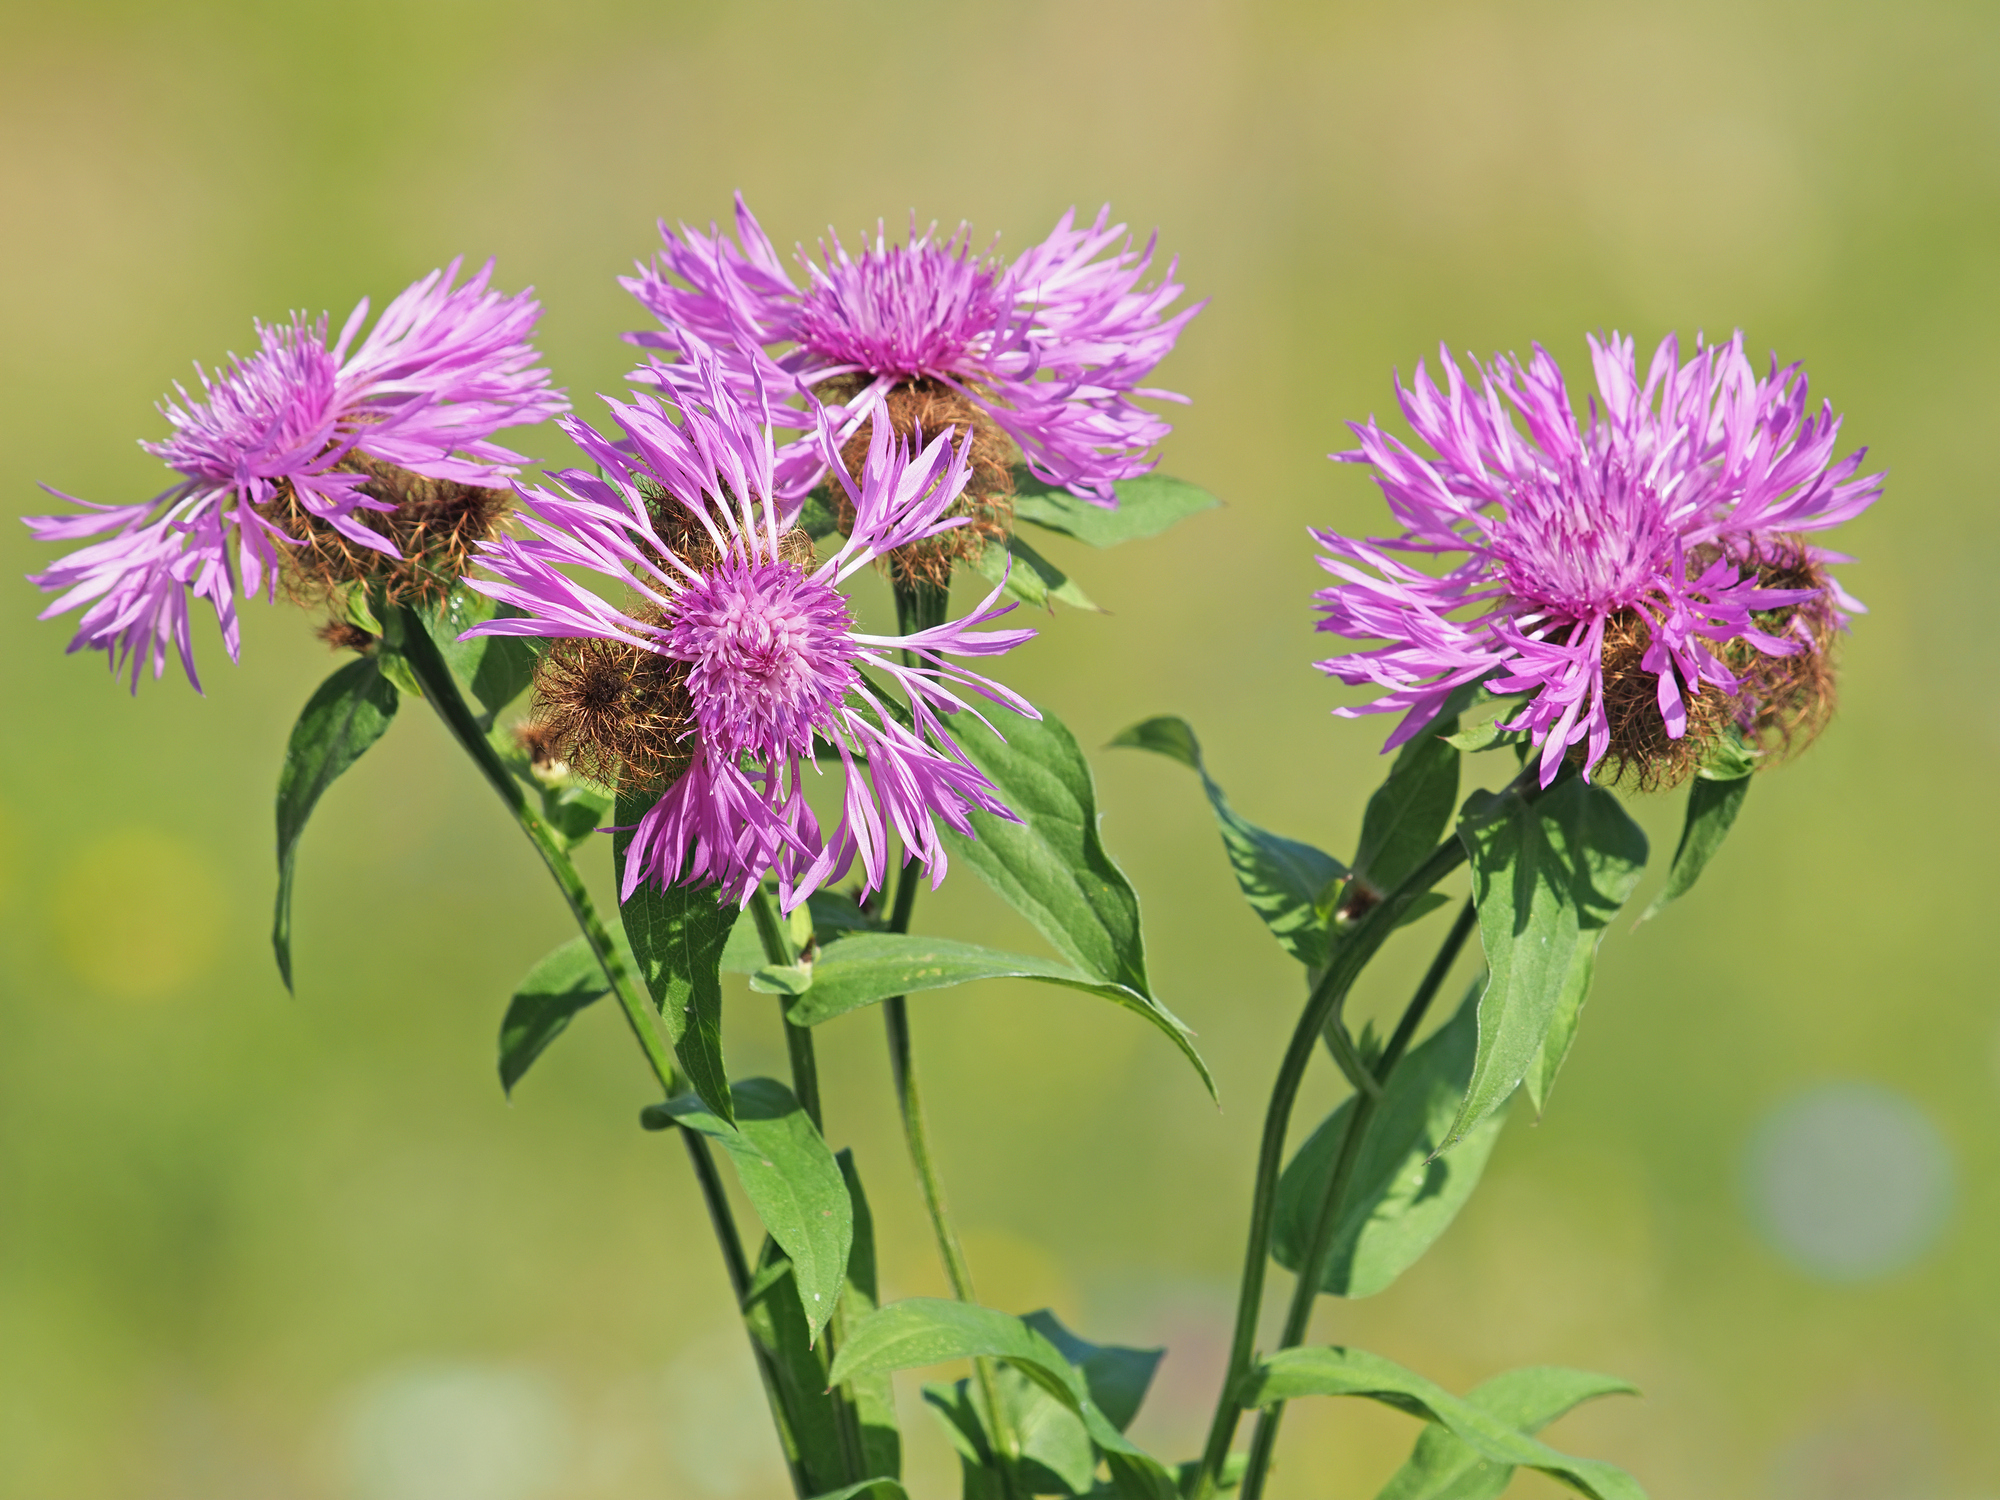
(1638, 577)
(1050, 349)
(768, 674)
(440, 372)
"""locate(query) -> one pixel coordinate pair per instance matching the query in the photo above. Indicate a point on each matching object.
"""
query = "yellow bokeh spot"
(137, 913)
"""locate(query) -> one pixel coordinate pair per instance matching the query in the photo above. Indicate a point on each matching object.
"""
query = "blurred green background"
(253, 1246)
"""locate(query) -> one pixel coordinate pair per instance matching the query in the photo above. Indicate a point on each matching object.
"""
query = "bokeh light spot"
(137, 913)
(456, 1432)
(1848, 1181)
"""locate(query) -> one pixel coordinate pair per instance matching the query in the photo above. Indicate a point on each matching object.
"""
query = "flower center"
(905, 310)
(769, 655)
(1584, 543)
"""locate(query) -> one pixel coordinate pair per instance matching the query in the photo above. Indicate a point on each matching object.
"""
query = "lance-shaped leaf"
(1443, 1467)
(924, 1331)
(1026, 575)
(1281, 878)
(789, 1176)
(1713, 802)
(1554, 1051)
(554, 990)
(1330, 1371)
(496, 669)
(872, 966)
(1404, 1192)
(1409, 813)
(1147, 506)
(1547, 876)
(874, 1489)
(677, 937)
(350, 712)
(1056, 1454)
(1052, 866)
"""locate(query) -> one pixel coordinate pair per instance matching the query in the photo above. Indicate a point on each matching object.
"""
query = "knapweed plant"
(662, 648)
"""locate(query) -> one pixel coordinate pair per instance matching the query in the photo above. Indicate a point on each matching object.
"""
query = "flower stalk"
(1312, 1267)
(413, 643)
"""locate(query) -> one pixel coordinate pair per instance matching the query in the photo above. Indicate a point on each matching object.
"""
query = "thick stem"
(1312, 1267)
(1350, 955)
(441, 691)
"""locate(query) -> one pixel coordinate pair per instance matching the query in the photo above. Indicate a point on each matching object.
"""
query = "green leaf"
(1116, 1376)
(1332, 1371)
(350, 712)
(808, 1421)
(926, 1331)
(832, 916)
(554, 990)
(1281, 878)
(495, 668)
(1547, 876)
(789, 1176)
(1147, 506)
(1052, 866)
(1409, 813)
(878, 1489)
(1554, 1051)
(817, 516)
(1032, 578)
(872, 966)
(1712, 807)
(1057, 1456)
(874, 1395)
(1405, 1190)
(1444, 1468)
(677, 936)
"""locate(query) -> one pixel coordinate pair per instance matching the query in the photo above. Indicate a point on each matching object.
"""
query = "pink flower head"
(441, 371)
(688, 525)
(1656, 522)
(1051, 348)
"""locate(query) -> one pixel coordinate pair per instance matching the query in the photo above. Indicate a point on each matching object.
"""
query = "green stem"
(921, 606)
(779, 952)
(427, 663)
(1350, 955)
(1312, 1267)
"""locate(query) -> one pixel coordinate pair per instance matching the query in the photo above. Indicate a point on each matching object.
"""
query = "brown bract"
(1781, 703)
(929, 407)
(609, 710)
(434, 528)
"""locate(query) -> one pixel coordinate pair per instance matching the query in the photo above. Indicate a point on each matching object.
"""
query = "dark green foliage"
(1026, 575)
(1331, 1371)
(1147, 506)
(924, 1331)
(1445, 1467)
(495, 669)
(1404, 1191)
(790, 1178)
(1714, 799)
(1547, 876)
(1282, 879)
(872, 966)
(350, 712)
(553, 991)
(677, 937)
